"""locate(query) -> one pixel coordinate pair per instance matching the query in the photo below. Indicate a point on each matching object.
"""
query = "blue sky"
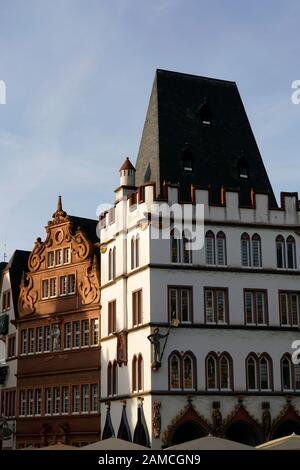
(79, 73)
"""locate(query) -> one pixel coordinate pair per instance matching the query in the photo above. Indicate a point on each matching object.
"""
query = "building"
(10, 278)
(58, 328)
(197, 341)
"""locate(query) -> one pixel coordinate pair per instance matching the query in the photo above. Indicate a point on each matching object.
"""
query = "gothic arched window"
(174, 371)
(286, 373)
(280, 251)
(225, 372)
(251, 368)
(221, 249)
(265, 381)
(291, 252)
(189, 368)
(210, 247)
(256, 251)
(245, 250)
(211, 372)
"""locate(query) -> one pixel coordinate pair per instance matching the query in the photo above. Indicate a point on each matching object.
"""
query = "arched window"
(210, 247)
(211, 372)
(280, 251)
(114, 378)
(137, 251)
(251, 368)
(297, 376)
(265, 373)
(225, 372)
(221, 249)
(174, 371)
(189, 367)
(132, 252)
(286, 373)
(114, 263)
(134, 374)
(110, 264)
(175, 246)
(291, 252)
(186, 249)
(140, 373)
(109, 383)
(256, 251)
(245, 250)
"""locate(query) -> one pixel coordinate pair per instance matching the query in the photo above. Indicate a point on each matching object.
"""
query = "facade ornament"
(89, 288)
(82, 247)
(36, 256)
(59, 215)
(28, 296)
(217, 419)
(156, 419)
(122, 356)
(266, 419)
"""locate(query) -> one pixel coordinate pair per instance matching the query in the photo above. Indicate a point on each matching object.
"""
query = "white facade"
(8, 349)
(156, 275)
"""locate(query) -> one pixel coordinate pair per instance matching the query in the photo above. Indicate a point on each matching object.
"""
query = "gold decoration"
(89, 288)
(28, 296)
(103, 249)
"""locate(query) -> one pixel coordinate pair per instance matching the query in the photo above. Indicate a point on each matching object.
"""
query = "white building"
(230, 309)
(10, 278)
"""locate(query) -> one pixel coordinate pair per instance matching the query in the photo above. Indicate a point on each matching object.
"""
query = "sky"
(78, 76)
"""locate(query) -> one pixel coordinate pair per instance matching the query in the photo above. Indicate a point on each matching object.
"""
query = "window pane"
(221, 258)
(249, 307)
(211, 373)
(297, 376)
(71, 278)
(210, 250)
(260, 308)
(224, 370)
(280, 254)
(291, 255)
(294, 309)
(187, 373)
(245, 246)
(209, 306)
(252, 374)
(221, 306)
(175, 374)
(173, 304)
(45, 290)
(284, 308)
(63, 285)
(185, 305)
(286, 374)
(264, 375)
(256, 253)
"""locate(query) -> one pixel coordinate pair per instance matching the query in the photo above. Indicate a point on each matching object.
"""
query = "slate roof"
(88, 225)
(174, 132)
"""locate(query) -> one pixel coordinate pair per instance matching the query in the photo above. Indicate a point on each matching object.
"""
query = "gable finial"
(59, 215)
(59, 204)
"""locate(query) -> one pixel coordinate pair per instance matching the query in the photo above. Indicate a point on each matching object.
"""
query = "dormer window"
(187, 165)
(187, 160)
(204, 115)
(243, 168)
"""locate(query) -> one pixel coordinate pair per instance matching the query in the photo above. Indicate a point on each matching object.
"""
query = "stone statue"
(56, 337)
(154, 339)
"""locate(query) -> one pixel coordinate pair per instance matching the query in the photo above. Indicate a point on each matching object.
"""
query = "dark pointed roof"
(17, 265)
(88, 225)
(127, 165)
(201, 120)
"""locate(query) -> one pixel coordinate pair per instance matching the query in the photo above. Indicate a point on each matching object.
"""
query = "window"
(22, 403)
(291, 252)
(45, 289)
(111, 317)
(216, 305)
(112, 263)
(50, 259)
(95, 331)
(65, 400)
(175, 371)
(29, 402)
(71, 284)
(63, 280)
(6, 300)
(67, 255)
(112, 371)
(135, 252)
(286, 252)
(68, 335)
(243, 168)
(76, 399)
(290, 374)
(251, 367)
(137, 307)
(186, 248)
(210, 248)
(58, 257)
(94, 398)
(221, 249)
(31, 341)
(289, 303)
(187, 160)
(180, 304)
(188, 372)
(39, 339)
(204, 115)
(85, 333)
(24, 342)
(175, 247)
(264, 371)
(137, 373)
(280, 251)
(38, 402)
(53, 287)
(256, 251)
(47, 344)
(245, 250)
(256, 307)
(85, 393)
(219, 372)
(11, 351)
(56, 409)
(48, 401)
(211, 371)
(76, 334)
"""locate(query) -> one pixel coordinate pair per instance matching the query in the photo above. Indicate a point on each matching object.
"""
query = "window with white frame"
(245, 250)
(76, 399)
(65, 400)
(23, 341)
(38, 402)
(180, 304)
(95, 331)
(56, 408)
(31, 341)
(94, 398)
(71, 284)
(53, 287)
(47, 343)
(210, 248)
(63, 285)
(45, 289)
(76, 334)
(85, 333)
(22, 403)
(30, 402)
(216, 305)
(289, 303)
(39, 339)
(68, 335)
(85, 398)
(59, 257)
(256, 307)
(48, 401)
(67, 255)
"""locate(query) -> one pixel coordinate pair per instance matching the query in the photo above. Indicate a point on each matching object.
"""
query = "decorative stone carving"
(122, 348)
(217, 419)
(36, 256)
(156, 419)
(89, 288)
(28, 296)
(82, 247)
(59, 215)
(266, 418)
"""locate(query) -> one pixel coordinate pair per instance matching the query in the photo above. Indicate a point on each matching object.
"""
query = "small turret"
(127, 174)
